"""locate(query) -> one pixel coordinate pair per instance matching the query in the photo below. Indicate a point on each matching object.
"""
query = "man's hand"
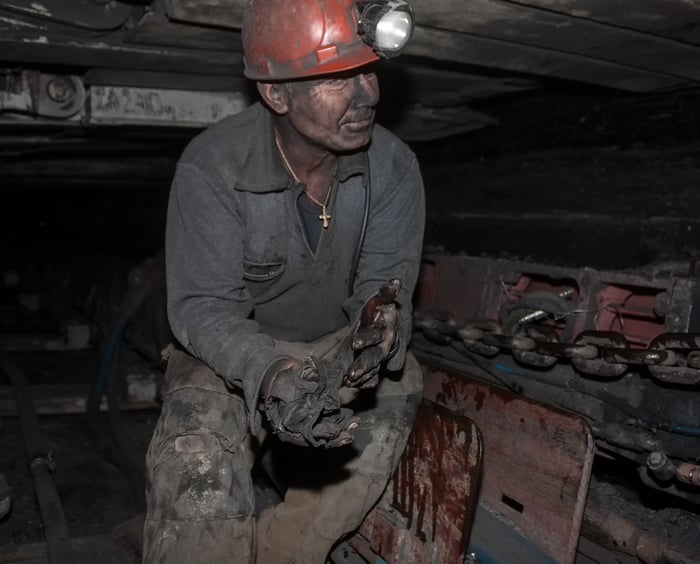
(302, 405)
(376, 339)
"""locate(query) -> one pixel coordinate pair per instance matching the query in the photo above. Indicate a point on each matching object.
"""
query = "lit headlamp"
(386, 25)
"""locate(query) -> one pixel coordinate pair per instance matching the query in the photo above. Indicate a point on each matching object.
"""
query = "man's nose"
(366, 89)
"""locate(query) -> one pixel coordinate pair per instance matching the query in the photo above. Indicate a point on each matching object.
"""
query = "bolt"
(656, 459)
(569, 292)
(661, 466)
(59, 90)
(541, 314)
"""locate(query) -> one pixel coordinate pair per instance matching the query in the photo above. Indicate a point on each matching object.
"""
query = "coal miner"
(293, 242)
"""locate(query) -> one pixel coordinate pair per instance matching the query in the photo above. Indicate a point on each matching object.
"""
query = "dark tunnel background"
(570, 176)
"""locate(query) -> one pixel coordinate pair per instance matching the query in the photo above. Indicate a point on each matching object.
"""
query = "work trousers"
(200, 497)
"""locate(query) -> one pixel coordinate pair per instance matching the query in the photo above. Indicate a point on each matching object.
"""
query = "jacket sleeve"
(209, 307)
(393, 244)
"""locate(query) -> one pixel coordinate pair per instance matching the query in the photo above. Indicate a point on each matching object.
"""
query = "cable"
(107, 366)
(363, 231)
(140, 285)
(41, 465)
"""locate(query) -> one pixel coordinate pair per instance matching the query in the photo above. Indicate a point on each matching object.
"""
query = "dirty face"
(334, 113)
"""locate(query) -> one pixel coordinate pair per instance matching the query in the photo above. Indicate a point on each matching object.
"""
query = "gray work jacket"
(240, 272)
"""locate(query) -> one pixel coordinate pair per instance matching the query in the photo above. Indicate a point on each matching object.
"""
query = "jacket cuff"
(252, 389)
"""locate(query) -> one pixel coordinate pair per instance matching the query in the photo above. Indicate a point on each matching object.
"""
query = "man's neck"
(310, 165)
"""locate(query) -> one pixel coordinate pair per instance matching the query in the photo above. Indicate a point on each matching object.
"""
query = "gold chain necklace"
(325, 217)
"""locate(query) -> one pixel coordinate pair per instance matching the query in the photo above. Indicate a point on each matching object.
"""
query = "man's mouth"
(360, 122)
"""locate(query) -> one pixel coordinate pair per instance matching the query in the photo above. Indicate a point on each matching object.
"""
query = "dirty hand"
(376, 338)
(300, 400)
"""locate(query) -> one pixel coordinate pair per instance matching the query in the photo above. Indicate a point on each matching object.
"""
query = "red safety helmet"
(288, 39)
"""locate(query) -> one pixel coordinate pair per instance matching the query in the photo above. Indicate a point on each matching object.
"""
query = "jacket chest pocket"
(263, 271)
(266, 241)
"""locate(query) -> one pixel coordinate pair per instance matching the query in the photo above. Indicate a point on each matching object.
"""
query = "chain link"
(670, 357)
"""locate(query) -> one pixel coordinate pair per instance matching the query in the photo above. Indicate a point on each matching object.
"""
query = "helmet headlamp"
(386, 25)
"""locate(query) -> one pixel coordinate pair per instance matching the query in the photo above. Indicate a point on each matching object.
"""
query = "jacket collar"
(263, 170)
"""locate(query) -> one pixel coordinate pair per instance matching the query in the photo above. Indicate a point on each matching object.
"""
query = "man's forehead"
(341, 75)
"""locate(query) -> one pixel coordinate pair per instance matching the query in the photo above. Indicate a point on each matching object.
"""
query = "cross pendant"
(325, 217)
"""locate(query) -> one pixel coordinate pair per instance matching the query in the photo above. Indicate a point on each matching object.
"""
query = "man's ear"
(275, 95)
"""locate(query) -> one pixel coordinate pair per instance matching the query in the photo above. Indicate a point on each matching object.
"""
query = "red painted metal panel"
(426, 513)
(537, 459)
(640, 307)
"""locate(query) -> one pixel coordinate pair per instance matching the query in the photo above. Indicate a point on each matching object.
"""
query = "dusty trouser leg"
(336, 488)
(200, 503)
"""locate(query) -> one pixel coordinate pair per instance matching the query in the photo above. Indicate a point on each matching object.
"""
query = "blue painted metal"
(496, 541)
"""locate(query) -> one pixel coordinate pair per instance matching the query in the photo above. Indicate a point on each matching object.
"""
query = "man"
(293, 244)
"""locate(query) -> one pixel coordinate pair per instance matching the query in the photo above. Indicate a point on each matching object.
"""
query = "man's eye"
(334, 83)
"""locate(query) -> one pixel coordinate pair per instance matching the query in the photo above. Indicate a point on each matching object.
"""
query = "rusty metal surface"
(537, 459)
(638, 305)
(632, 334)
(604, 321)
(426, 513)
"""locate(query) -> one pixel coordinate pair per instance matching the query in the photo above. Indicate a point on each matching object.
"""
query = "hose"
(363, 233)
(140, 285)
(41, 465)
